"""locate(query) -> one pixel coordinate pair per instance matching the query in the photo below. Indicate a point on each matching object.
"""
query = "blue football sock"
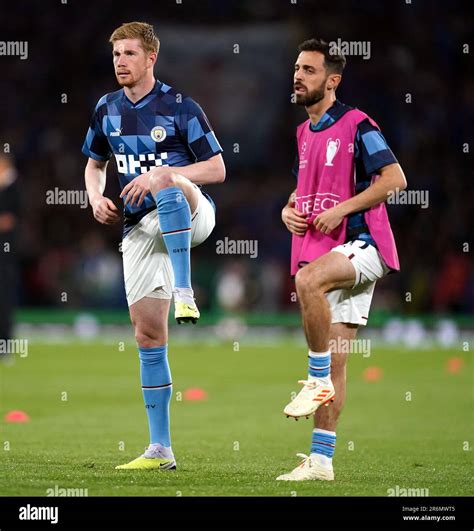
(174, 215)
(157, 388)
(323, 442)
(319, 364)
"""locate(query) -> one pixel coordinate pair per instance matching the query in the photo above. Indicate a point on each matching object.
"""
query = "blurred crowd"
(416, 85)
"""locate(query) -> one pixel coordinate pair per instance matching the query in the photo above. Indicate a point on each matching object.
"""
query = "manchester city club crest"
(158, 133)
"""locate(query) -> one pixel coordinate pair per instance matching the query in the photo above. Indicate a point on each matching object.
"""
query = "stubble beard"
(311, 98)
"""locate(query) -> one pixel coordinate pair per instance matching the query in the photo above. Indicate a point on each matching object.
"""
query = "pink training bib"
(326, 177)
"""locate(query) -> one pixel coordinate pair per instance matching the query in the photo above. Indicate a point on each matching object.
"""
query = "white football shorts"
(353, 305)
(146, 265)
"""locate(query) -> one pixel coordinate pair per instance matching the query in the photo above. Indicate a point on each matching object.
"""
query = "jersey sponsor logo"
(158, 133)
(332, 147)
(316, 203)
(132, 164)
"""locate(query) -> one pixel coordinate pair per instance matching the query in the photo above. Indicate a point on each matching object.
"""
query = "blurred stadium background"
(63, 274)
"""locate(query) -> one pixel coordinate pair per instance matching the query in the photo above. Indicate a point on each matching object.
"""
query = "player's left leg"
(318, 465)
(176, 200)
(150, 320)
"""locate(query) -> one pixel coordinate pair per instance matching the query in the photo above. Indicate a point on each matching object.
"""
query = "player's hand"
(294, 220)
(136, 190)
(105, 211)
(328, 220)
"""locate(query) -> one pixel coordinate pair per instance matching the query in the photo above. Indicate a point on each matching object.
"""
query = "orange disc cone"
(372, 374)
(16, 416)
(195, 393)
(454, 365)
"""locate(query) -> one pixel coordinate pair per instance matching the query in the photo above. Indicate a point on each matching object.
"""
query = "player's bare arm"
(211, 171)
(104, 210)
(294, 220)
(391, 179)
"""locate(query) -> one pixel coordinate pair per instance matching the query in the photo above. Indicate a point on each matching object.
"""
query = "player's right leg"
(150, 320)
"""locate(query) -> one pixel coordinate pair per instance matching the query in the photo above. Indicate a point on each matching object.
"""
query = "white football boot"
(314, 394)
(307, 470)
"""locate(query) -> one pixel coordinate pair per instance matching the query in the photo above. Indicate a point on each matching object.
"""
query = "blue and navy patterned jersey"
(164, 128)
(371, 154)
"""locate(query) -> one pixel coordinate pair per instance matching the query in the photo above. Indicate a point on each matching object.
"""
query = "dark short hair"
(334, 61)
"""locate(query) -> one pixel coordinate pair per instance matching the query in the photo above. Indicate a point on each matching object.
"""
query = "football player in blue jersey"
(165, 149)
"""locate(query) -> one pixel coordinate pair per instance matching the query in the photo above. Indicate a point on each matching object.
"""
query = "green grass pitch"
(238, 440)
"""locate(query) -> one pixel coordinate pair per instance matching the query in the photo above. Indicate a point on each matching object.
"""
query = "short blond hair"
(138, 30)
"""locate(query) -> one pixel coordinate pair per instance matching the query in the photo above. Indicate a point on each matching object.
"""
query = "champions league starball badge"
(332, 147)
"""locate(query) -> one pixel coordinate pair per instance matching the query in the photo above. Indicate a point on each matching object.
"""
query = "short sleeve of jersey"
(96, 145)
(371, 148)
(196, 131)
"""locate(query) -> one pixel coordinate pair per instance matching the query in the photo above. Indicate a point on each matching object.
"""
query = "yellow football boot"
(185, 312)
(149, 463)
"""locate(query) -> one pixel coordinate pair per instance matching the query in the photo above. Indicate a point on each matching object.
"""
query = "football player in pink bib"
(342, 242)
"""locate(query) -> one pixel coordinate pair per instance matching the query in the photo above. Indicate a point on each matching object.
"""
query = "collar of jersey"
(331, 116)
(146, 98)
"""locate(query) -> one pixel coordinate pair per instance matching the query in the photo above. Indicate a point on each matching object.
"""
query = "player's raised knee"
(310, 279)
(163, 180)
(301, 279)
